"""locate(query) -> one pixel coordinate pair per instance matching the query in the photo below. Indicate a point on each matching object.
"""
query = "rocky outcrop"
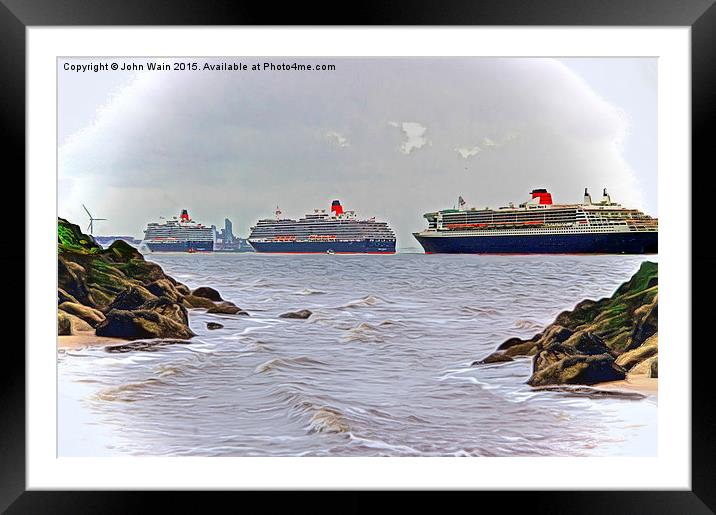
(120, 294)
(141, 323)
(597, 341)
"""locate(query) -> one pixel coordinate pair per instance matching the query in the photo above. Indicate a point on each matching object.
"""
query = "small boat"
(330, 251)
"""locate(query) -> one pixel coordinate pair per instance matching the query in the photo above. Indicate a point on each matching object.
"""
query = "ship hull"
(181, 246)
(586, 243)
(325, 247)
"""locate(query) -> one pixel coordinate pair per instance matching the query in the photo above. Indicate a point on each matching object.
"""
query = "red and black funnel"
(336, 207)
(184, 215)
(543, 195)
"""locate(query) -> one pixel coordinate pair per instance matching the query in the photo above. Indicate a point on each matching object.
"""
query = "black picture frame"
(700, 15)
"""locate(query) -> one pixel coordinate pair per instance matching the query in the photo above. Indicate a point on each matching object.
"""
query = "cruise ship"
(335, 232)
(179, 235)
(540, 227)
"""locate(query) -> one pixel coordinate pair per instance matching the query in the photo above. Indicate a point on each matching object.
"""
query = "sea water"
(381, 368)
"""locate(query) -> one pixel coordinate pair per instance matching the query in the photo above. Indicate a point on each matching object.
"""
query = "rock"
(132, 298)
(90, 315)
(554, 334)
(167, 308)
(99, 298)
(198, 302)
(495, 357)
(648, 367)
(647, 325)
(213, 325)
(227, 308)
(63, 296)
(525, 349)
(183, 289)
(580, 343)
(64, 325)
(513, 342)
(630, 359)
(519, 347)
(579, 370)
(164, 288)
(71, 279)
(76, 323)
(302, 314)
(122, 252)
(207, 293)
(141, 323)
(70, 238)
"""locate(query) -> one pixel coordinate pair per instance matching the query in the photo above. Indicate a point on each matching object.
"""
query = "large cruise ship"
(179, 235)
(336, 232)
(541, 227)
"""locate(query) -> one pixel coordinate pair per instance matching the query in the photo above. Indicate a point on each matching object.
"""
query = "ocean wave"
(320, 415)
(168, 370)
(367, 301)
(364, 332)
(328, 420)
(491, 312)
(129, 392)
(286, 363)
(528, 324)
(380, 444)
(310, 291)
(265, 283)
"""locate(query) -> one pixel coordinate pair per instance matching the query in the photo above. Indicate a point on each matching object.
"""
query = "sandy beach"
(636, 383)
(85, 339)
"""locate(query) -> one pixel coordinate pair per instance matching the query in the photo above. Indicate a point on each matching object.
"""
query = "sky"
(390, 137)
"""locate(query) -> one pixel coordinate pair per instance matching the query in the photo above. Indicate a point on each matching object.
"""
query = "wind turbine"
(90, 227)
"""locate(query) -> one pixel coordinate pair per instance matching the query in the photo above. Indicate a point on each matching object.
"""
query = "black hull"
(584, 243)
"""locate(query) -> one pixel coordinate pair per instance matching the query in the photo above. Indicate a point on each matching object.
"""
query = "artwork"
(357, 257)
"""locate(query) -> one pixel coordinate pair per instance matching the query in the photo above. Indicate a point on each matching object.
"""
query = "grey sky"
(389, 137)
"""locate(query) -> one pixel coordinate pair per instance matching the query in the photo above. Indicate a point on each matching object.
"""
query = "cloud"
(237, 144)
(414, 136)
(337, 138)
(466, 152)
(487, 145)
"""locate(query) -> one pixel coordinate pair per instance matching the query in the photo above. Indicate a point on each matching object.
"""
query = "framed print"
(418, 252)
